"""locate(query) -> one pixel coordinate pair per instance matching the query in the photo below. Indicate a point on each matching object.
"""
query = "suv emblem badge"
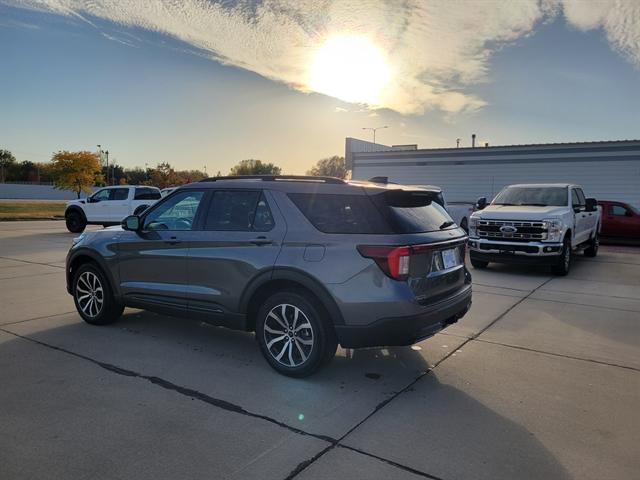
(508, 229)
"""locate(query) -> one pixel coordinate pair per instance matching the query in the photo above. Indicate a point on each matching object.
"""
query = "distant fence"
(28, 191)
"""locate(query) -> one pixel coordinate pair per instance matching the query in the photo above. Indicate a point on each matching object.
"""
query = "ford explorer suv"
(306, 263)
(542, 224)
(109, 206)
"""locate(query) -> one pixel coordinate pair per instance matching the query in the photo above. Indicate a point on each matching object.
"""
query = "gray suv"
(304, 262)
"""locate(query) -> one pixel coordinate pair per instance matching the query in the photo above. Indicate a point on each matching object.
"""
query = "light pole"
(100, 152)
(374, 129)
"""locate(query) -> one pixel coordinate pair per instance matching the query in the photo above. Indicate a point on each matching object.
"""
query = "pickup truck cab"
(109, 205)
(535, 224)
(619, 220)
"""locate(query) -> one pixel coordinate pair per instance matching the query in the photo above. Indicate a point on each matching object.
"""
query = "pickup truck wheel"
(75, 222)
(479, 264)
(564, 262)
(295, 334)
(592, 249)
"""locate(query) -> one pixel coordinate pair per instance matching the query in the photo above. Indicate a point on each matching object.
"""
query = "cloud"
(436, 49)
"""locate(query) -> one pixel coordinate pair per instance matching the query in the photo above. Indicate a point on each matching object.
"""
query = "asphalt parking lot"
(540, 380)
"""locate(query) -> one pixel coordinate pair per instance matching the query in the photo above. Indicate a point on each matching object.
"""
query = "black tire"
(90, 284)
(140, 209)
(592, 249)
(479, 264)
(564, 262)
(76, 223)
(302, 350)
(464, 224)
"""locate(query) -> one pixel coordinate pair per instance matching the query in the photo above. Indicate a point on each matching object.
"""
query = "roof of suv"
(301, 183)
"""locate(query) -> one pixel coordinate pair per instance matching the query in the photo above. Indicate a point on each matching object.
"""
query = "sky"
(197, 83)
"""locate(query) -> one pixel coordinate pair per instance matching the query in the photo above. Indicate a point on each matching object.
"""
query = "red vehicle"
(619, 220)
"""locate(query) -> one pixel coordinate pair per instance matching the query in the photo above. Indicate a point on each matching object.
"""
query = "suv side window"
(146, 194)
(100, 195)
(119, 194)
(239, 211)
(177, 213)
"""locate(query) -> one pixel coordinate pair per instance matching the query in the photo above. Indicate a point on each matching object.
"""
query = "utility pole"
(374, 129)
(107, 156)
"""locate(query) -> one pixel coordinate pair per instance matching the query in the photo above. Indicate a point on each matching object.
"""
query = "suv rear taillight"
(393, 261)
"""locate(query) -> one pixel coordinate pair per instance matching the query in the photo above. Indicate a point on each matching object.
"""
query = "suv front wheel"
(93, 297)
(295, 334)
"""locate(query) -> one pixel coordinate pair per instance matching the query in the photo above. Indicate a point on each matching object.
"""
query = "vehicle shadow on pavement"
(439, 429)
(430, 426)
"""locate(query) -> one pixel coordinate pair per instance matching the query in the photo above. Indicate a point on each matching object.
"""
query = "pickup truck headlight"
(554, 229)
(473, 226)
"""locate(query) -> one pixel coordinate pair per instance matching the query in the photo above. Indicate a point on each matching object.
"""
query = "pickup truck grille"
(512, 231)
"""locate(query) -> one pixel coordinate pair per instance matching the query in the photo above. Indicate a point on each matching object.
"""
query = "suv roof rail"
(275, 178)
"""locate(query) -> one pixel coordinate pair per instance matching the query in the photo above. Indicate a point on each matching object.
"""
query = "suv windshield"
(534, 196)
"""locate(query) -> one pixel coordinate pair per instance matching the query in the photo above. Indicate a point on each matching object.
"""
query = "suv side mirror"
(591, 205)
(481, 203)
(131, 223)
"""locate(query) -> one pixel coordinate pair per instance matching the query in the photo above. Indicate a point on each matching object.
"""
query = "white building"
(608, 170)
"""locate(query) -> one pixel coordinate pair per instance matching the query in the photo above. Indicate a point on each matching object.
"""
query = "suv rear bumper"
(407, 330)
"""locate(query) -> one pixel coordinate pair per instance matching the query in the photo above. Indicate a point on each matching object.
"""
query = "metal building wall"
(606, 170)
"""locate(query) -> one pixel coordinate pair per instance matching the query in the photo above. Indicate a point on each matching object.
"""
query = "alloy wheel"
(89, 294)
(288, 335)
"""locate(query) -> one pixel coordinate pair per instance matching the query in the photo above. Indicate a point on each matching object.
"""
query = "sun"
(349, 68)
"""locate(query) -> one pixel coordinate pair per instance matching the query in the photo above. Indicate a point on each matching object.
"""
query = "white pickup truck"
(534, 224)
(109, 206)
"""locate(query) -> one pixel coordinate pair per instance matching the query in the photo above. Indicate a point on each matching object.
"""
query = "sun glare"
(349, 68)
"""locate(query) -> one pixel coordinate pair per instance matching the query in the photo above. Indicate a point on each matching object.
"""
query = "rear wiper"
(446, 224)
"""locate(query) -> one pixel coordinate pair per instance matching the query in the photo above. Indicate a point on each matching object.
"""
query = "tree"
(330, 167)
(76, 171)
(164, 176)
(255, 167)
(6, 160)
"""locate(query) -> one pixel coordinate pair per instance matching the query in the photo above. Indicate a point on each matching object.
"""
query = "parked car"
(108, 206)
(535, 224)
(305, 262)
(620, 220)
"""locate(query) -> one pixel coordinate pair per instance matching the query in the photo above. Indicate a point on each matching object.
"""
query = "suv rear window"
(398, 212)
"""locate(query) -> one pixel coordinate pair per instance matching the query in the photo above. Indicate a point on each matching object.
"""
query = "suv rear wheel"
(93, 297)
(295, 334)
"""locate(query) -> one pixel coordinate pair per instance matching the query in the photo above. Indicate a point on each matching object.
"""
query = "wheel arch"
(75, 208)
(276, 280)
(83, 257)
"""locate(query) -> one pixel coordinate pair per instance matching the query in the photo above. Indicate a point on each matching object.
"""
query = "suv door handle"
(173, 241)
(261, 241)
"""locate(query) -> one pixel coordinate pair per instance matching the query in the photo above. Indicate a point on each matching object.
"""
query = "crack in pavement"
(203, 397)
(33, 263)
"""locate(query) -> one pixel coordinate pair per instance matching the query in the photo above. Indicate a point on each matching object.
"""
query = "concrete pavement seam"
(391, 462)
(32, 263)
(35, 318)
(561, 355)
